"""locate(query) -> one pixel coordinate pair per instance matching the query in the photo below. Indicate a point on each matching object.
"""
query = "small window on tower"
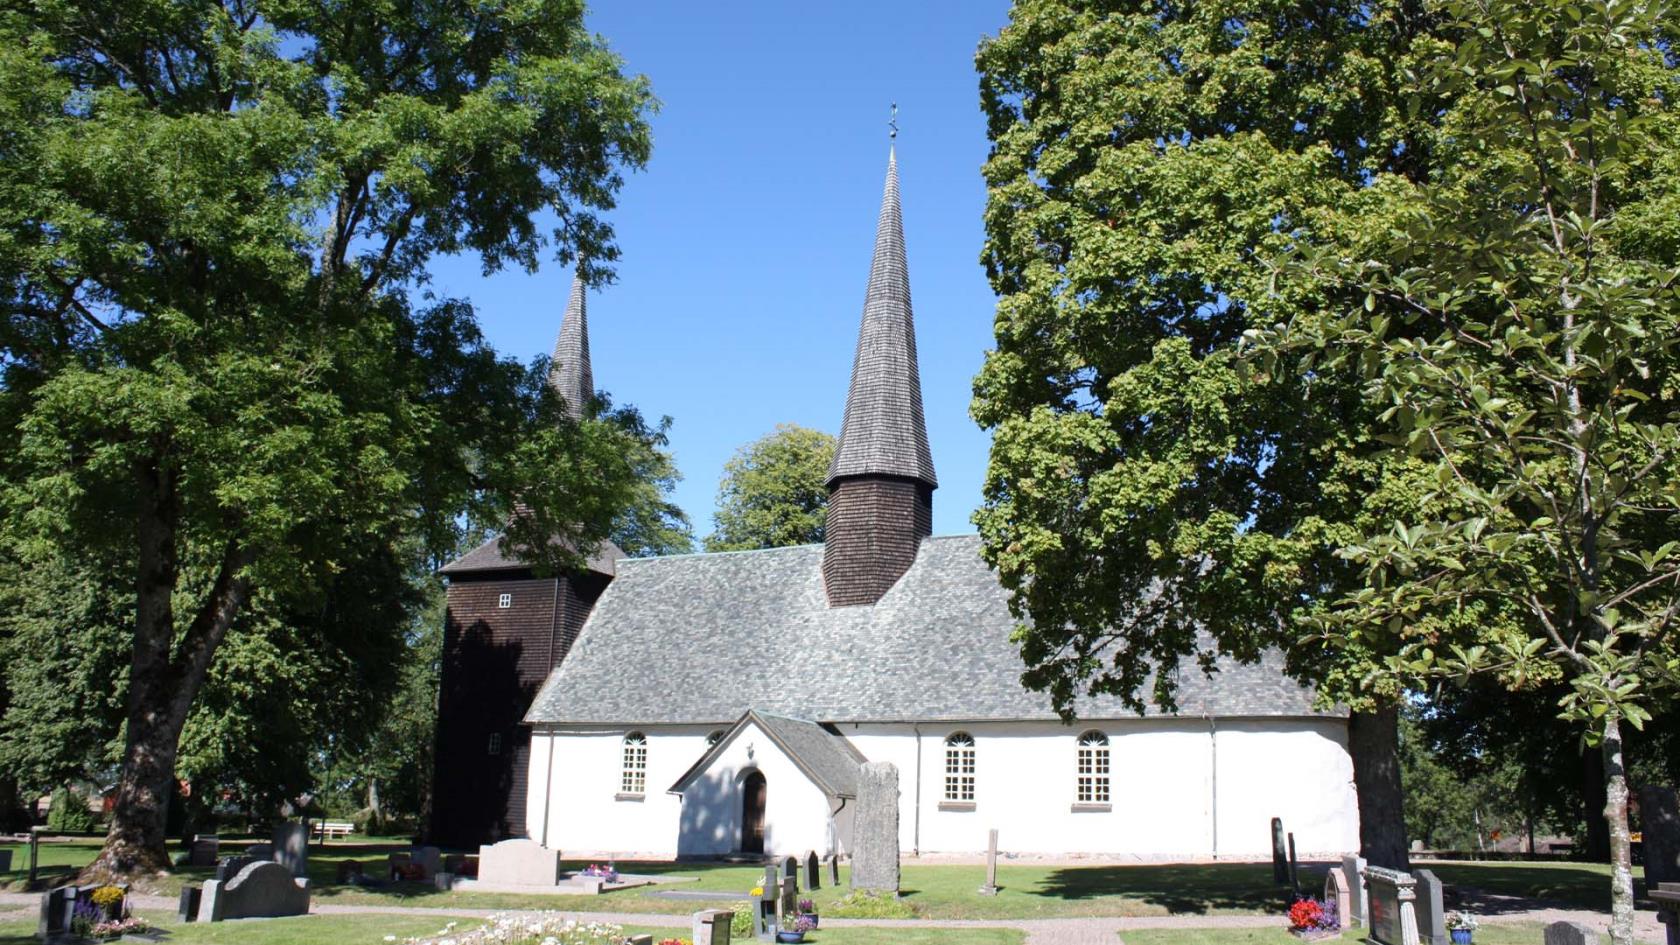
(495, 743)
(505, 601)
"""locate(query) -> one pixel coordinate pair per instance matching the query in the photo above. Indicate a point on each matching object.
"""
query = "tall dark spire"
(884, 431)
(881, 481)
(568, 372)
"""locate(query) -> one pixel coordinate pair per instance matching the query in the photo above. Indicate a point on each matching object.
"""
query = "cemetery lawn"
(372, 929)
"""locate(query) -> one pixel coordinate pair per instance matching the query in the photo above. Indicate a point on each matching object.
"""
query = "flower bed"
(543, 928)
(1313, 919)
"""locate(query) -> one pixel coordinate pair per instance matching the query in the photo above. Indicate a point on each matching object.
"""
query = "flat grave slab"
(574, 884)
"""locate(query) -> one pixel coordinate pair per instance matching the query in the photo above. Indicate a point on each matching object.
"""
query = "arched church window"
(635, 764)
(714, 738)
(1092, 767)
(959, 767)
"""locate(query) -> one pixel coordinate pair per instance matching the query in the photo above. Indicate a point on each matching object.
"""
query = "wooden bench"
(333, 829)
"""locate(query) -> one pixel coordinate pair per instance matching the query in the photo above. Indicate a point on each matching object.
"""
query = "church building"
(713, 704)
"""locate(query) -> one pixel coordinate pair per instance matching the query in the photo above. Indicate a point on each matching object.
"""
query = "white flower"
(390, 938)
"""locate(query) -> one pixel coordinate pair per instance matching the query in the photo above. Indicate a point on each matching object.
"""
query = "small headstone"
(444, 881)
(430, 861)
(261, 890)
(1431, 912)
(291, 847)
(1661, 838)
(1393, 898)
(260, 851)
(229, 866)
(34, 852)
(347, 869)
(790, 868)
(990, 889)
(711, 926)
(787, 908)
(1353, 868)
(1280, 854)
(875, 829)
(518, 862)
(1571, 933)
(5, 861)
(833, 861)
(764, 911)
(1336, 892)
(1294, 866)
(56, 905)
(1667, 898)
(813, 873)
(206, 850)
(188, 909)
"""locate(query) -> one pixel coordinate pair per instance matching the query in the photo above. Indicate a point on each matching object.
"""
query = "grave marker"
(833, 861)
(1667, 898)
(1294, 866)
(518, 862)
(1661, 816)
(1336, 893)
(813, 874)
(205, 851)
(990, 889)
(56, 906)
(1353, 867)
(5, 861)
(187, 911)
(875, 829)
(787, 907)
(34, 852)
(1393, 900)
(1280, 861)
(1571, 933)
(1431, 914)
(790, 868)
(261, 890)
(764, 919)
(291, 847)
(711, 926)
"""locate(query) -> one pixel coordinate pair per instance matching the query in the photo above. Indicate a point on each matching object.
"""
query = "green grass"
(933, 891)
(372, 929)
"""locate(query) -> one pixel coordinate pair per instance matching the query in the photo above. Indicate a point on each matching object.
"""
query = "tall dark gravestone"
(1661, 837)
(1280, 854)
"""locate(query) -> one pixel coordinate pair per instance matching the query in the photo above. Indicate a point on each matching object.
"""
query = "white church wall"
(796, 812)
(587, 813)
(1162, 784)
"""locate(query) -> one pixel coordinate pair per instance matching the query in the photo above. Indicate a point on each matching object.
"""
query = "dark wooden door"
(752, 813)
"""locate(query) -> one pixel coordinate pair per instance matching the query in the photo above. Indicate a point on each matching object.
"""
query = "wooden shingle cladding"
(494, 660)
(875, 526)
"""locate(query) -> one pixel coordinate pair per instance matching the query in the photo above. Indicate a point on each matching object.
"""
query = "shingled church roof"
(569, 372)
(704, 638)
(884, 432)
(490, 557)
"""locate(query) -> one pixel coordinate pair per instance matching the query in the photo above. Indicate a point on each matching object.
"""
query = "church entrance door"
(752, 813)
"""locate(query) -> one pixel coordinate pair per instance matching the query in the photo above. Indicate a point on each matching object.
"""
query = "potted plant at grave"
(795, 932)
(808, 909)
(1461, 925)
(598, 871)
(109, 901)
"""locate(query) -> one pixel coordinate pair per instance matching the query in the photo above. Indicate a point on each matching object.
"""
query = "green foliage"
(741, 919)
(219, 371)
(69, 813)
(774, 491)
(865, 905)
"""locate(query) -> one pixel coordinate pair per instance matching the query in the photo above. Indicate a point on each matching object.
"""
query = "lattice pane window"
(959, 767)
(1092, 769)
(635, 764)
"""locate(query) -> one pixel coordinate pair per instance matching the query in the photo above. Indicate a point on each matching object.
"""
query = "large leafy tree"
(1518, 327)
(212, 217)
(1145, 159)
(774, 491)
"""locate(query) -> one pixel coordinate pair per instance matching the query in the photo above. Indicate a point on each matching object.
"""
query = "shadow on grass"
(1191, 888)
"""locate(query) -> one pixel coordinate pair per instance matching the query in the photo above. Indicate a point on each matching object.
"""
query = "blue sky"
(747, 240)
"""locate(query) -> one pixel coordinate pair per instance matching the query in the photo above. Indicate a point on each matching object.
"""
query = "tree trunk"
(1374, 744)
(1621, 845)
(164, 678)
(1596, 848)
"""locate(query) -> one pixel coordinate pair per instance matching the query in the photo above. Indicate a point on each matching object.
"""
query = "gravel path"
(1080, 931)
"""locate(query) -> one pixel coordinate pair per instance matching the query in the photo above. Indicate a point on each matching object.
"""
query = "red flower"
(1305, 913)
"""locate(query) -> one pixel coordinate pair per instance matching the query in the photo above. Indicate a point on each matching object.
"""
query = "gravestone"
(875, 829)
(518, 862)
(1336, 893)
(813, 874)
(990, 889)
(787, 907)
(229, 866)
(1661, 839)
(711, 926)
(1571, 933)
(1280, 854)
(347, 870)
(1431, 912)
(1353, 867)
(56, 907)
(187, 911)
(833, 861)
(1392, 903)
(206, 850)
(34, 852)
(261, 851)
(5, 861)
(430, 861)
(291, 847)
(1294, 865)
(764, 913)
(1667, 898)
(790, 868)
(262, 890)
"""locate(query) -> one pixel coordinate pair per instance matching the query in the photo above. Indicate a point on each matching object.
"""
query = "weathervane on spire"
(892, 123)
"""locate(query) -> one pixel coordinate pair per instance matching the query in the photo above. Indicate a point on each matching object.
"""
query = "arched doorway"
(752, 813)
